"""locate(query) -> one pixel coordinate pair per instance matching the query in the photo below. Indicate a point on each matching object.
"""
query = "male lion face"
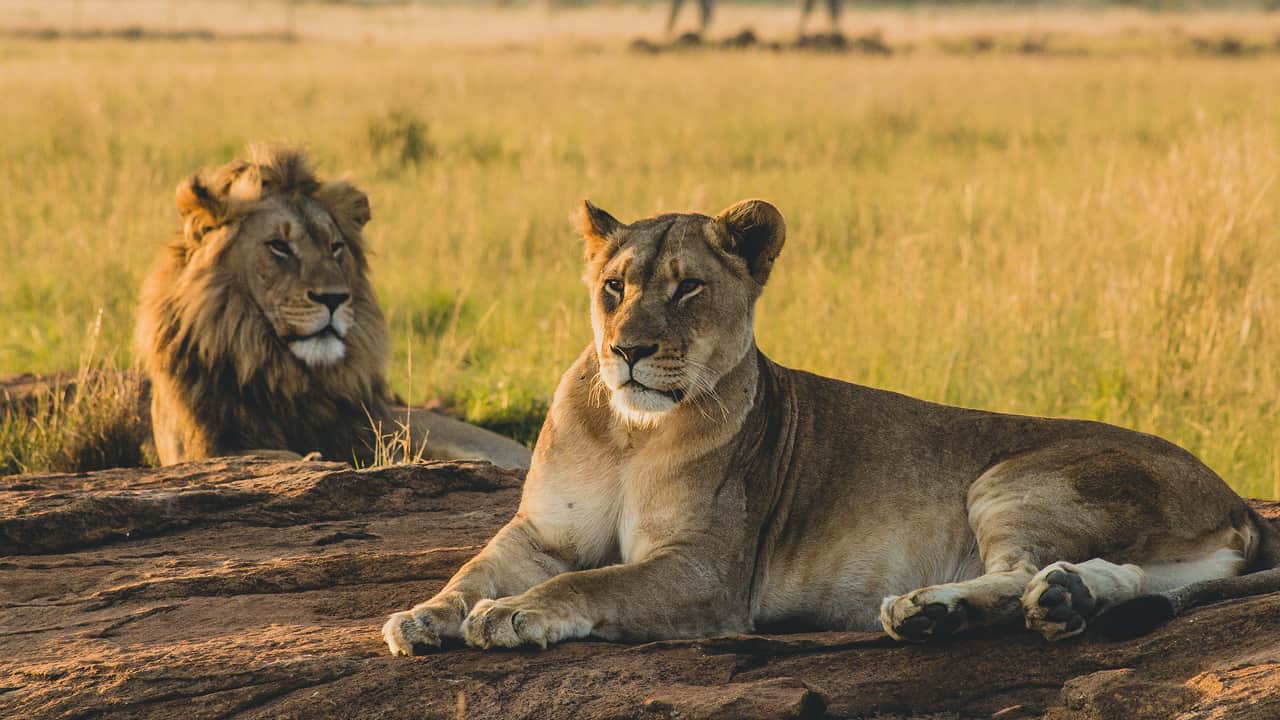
(272, 238)
(671, 302)
(298, 269)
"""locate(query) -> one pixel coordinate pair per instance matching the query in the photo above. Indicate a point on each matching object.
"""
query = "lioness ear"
(200, 207)
(596, 227)
(756, 232)
(347, 205)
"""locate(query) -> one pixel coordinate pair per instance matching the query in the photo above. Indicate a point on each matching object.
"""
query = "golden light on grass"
(1091, 234)
(92, 419)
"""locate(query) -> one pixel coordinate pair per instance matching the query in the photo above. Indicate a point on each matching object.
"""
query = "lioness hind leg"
(1017, 528)
(1059, 505)
(1064, 597)
(1159, 517)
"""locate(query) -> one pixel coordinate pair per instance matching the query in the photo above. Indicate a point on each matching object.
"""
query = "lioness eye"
(687, 288)
(337, 248)
(279, 248)
(614, 286)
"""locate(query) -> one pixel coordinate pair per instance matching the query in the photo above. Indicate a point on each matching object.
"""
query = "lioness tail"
(1148, 612)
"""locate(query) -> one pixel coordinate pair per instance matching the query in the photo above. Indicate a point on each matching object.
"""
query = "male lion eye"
(279, 248)
(687, 288)
(615, 286)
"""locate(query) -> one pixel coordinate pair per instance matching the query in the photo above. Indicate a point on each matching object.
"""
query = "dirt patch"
(253, 589)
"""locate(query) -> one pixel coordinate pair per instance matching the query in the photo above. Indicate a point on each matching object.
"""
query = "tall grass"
(1091, 236)
(90, 420)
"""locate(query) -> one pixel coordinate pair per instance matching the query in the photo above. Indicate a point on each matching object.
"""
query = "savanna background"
(1048, 208)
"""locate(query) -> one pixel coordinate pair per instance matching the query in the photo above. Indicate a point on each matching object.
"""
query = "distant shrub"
(401, 139)
(1225, 45)
(484, 148)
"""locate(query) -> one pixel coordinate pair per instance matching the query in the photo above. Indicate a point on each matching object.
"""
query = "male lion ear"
(349, 208)
(756, 232)
(200, 207)
(347, 205)
(597, 228)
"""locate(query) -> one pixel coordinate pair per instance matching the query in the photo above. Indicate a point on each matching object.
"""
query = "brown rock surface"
(253, 589)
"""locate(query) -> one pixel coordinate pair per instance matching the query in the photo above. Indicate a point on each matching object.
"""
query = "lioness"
(260, 330)
(685, 485)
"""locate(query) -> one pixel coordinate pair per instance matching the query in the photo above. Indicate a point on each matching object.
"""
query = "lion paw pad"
(908, 620)
(1058, 604)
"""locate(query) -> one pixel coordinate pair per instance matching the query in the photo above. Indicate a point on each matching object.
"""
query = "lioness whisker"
(701, 378)
(598, 389)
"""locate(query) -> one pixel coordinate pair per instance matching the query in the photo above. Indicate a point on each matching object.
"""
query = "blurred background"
(1052, 208)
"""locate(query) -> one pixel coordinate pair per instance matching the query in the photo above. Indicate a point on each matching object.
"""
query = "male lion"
(260, 330)
(685, 485)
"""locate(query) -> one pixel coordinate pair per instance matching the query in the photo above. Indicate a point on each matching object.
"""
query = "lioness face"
(298, 270)
(671, 302)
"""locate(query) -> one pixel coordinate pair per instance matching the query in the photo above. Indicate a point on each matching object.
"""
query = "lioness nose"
(633, 353)
(333, 301)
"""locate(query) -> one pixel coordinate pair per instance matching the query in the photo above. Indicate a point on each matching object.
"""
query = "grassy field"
(1088, 234)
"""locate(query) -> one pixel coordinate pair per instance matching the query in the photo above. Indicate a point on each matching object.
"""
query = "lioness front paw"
(923, 614)
(1057, 603)
(420, 630)
(407, 635)
(511, 622)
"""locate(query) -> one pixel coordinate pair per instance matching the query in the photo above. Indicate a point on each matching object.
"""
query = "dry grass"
(396, 445)
(1088, 235)
(96, 426)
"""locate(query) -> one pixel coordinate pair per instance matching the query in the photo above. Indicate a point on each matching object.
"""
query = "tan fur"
(724, 493)
(221, 314)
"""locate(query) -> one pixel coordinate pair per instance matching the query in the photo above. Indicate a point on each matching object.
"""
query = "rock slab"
(253, 589)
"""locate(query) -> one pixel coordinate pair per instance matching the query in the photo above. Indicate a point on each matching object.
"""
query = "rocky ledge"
(244, 588)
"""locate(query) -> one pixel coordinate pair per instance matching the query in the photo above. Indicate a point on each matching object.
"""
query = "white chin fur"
(639, 407)
(319, 351)
(343, 318)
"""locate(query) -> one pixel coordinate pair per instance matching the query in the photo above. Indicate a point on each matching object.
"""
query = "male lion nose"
(633, 353)
(333, 301)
